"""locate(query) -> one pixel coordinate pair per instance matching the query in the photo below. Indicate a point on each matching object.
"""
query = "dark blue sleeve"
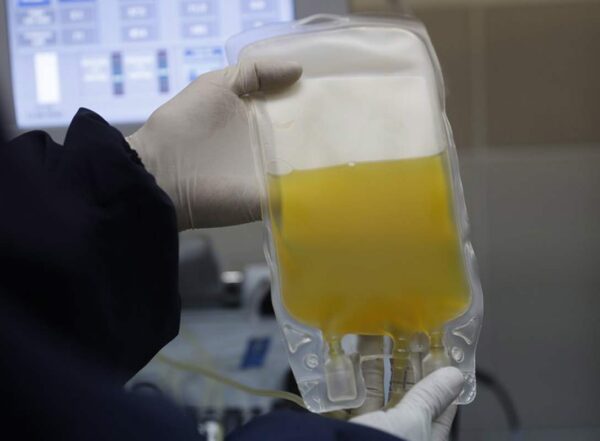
(304, 426)
(50, 393)
(88, 243)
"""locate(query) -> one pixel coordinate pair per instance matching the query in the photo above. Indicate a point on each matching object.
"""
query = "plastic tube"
(401, 368)
(214, 390)
(209, 373)
(437, 357)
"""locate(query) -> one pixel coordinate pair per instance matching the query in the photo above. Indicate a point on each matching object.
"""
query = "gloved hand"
(197, 145)
(426, 411)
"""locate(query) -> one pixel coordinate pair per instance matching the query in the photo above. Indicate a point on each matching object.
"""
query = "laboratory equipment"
(120, 58)
(228, 363)
(362, 200)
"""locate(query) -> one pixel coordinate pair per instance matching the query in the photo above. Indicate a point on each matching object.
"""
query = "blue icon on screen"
(28, 3)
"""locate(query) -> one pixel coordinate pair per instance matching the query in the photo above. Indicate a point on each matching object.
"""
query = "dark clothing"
(296, 426)
(50, 393)
(88, 243)
(88, 295)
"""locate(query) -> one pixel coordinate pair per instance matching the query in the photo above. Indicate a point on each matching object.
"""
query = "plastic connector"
(340, 378)
(437, 357)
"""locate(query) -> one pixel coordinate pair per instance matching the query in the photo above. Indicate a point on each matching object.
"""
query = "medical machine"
(121, 58)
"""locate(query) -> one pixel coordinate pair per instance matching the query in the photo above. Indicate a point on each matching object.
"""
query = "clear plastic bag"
(363, 205)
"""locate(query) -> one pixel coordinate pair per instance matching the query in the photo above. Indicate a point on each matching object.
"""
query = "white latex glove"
(426, 411)
(197, 145)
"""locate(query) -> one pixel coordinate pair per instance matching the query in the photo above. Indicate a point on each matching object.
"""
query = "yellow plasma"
(369, 248)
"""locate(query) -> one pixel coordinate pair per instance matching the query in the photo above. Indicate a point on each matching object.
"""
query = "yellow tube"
(209, 373)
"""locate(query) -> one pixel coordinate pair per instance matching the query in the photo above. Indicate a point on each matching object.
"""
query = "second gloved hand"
(425, 413)
(197, 145)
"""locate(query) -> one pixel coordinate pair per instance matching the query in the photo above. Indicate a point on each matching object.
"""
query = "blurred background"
(523, 91)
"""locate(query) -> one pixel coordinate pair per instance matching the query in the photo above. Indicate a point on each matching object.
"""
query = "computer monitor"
(121, 58)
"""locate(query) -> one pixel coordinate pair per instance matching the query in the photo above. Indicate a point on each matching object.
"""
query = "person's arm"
(50, 393)
(88, 243)
(88, 237)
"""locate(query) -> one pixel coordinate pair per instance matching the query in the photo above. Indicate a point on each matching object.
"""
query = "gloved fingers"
(425, 413)
(440, 429)
(373, 374)
(434, 393)
(379, 420)
(261, 75)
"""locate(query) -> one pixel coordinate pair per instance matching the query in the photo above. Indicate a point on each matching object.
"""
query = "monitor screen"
(120, 58)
